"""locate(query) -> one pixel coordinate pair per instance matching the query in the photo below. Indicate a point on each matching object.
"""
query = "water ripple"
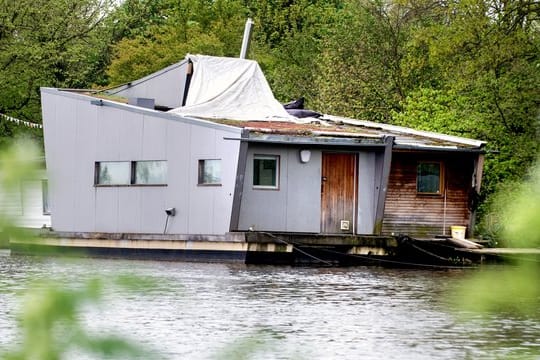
(201, 311)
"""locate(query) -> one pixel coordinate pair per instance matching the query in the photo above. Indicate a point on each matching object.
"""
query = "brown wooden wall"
(407, 212)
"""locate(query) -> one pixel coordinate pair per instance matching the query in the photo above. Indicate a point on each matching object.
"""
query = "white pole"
(246, 39)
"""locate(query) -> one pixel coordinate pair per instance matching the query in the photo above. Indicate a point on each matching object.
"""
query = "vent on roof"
(142, 102)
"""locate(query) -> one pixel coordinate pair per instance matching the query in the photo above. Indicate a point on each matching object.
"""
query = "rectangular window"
(113, 173)
(45, 197)
(210, 172)
(125, 173)
(266, 171)
(150, 172)
(429, 178)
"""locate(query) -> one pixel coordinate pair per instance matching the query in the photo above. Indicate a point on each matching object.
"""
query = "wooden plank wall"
(407, 212)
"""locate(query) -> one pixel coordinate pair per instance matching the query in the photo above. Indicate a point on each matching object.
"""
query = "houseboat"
(199, 161)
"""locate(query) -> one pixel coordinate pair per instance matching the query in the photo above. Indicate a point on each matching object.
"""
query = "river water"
(215, 311)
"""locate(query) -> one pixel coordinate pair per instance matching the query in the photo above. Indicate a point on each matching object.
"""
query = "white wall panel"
(106, 210)
(80, 134)
(366, 193)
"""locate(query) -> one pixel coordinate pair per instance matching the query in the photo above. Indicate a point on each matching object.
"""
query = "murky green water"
(202, 311)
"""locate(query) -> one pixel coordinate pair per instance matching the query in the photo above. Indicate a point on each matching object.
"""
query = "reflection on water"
(201, 311)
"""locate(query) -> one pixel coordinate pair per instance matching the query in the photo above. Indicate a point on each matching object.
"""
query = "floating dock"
(292, 249)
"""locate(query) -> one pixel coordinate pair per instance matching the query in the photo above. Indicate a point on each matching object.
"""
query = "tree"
(360, 72)
(483, 60)
(48, 43)
(211, 28)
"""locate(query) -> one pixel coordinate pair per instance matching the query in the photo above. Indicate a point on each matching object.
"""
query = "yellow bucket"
(458, 232)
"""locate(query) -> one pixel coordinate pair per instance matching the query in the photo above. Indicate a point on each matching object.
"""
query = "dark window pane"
(265, 171)
(209, 172)
(428, 178)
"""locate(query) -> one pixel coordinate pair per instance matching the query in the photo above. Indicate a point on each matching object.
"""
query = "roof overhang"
(316, 141)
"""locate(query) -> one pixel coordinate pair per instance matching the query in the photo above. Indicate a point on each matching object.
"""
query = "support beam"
(239, 185)
(383, 188)
(476, 184)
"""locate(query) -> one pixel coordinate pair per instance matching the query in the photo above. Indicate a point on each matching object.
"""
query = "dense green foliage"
(466, 67)
(513, 289)
(48, 43)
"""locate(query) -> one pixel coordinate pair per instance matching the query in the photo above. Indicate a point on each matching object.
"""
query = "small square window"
(210, 172)
(150, 172)
(429, 178)
(266, 171)
(113, 173)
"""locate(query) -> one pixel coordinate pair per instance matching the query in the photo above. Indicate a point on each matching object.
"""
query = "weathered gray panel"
(129, 128)
(367, 190)
(295, 206)
(48, 111)
(153, 139)
(86, 137)
(229, 152)
(201, 209)
(79, 134)
(106, 208)
(62, 183)
(264, 209)
(203, 141)
(108, 133)
(153, 209)
(165, 86)
(178, 153)
(210, 206)
(378, 176)
(130, 209)
(304, 192)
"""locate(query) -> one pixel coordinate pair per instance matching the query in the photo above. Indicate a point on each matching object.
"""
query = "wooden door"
(338, 193)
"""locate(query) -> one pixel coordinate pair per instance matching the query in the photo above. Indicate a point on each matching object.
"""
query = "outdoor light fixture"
(170, 212)
(305, 155)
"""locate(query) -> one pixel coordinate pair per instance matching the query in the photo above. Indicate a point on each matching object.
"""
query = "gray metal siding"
(295, 206)
(367, 191)
(165, 86)
(303, 215)
(77, 134)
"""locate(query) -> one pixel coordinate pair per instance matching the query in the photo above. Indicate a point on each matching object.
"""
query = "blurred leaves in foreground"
(513, 289)
(51, 326)
(18, 163)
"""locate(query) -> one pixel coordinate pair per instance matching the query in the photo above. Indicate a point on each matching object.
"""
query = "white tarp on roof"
(230, 88)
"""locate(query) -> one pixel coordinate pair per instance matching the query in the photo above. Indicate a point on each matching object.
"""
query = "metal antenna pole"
(247, 38)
